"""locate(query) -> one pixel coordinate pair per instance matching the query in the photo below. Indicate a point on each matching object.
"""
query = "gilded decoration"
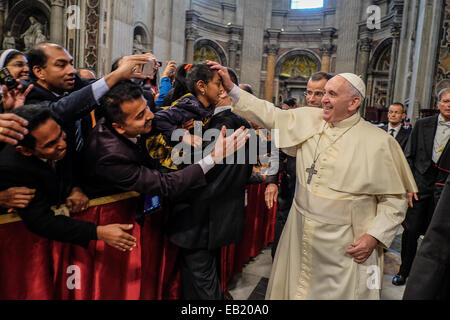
(204, 53)
(299, 66)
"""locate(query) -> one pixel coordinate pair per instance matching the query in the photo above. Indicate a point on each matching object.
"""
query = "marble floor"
(251, 284)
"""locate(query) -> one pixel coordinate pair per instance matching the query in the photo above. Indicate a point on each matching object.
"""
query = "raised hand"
(228, 146)
(12, 128)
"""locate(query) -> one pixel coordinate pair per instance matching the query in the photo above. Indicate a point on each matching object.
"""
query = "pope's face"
(338, 103)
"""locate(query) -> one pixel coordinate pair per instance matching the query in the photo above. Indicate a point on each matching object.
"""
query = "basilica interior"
(399, 47)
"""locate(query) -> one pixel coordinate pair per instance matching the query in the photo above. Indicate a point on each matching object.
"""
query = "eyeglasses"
(445, 101)
(310, 93)
(18, 65)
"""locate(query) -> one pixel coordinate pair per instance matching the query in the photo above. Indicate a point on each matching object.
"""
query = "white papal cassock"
(360, 187)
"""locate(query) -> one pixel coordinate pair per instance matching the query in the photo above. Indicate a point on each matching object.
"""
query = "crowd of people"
(67, 138)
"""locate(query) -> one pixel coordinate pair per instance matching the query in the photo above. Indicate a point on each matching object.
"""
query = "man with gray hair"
(424, 151)
(350, 199)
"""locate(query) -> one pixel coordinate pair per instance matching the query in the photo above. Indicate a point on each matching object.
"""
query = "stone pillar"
(395, 31)
(365, 46)
(57, 21)
(2, 21)
(327, 51)
(253, 43)
(348, 35)
(191, 36)
(232, 50)
(327, 48)
(425, 51)
(401, 73)
(272, 51)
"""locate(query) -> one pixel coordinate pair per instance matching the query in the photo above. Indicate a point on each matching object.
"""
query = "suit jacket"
(213, 217)
(52, 188)
(419, 152)
(402, 136)
(113, 164)
(430, 273)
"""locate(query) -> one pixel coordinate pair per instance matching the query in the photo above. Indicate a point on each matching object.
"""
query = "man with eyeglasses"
(426, 151)
(314, 89)
(396, 115)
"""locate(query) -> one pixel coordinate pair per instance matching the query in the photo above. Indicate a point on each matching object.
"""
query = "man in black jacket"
(430, 272)
(396, 115)
(115, 159)
(423, 152)
(39, 162)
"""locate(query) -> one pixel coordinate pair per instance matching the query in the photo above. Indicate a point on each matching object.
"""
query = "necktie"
(79, 142)
(392, 132)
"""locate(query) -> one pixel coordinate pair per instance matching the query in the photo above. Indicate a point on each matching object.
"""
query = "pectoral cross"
(311, 171)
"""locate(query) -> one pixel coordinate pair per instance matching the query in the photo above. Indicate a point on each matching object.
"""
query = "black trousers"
(200, 274)
(416, 224)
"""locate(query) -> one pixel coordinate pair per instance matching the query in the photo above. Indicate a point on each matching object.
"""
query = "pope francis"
(352, 190)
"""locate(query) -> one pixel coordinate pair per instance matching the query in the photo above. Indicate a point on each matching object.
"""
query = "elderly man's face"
(444, 106)
(338, 102)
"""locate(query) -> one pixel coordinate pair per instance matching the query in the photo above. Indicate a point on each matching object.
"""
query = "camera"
(149, 68)
(7, 79)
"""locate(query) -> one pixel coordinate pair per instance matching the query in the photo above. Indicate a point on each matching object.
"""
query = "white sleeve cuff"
(207, 164)
(235, 94)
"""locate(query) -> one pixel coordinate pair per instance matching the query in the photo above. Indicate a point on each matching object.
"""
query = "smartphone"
(7, 79)
(149, 69)
(152, 203)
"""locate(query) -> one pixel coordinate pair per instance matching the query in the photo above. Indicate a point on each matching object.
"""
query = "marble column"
(327, 48)
(395, 31)
(232, 51)
(326, 59)
(191, 36)
(57, 21)
(348, 34)
(272, 51)
(365, 46)
(2, 20)
(425, 52)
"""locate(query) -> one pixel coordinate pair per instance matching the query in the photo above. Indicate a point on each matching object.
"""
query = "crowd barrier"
(34, 268)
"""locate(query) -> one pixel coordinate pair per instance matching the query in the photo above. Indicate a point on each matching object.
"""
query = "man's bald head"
(51, 66)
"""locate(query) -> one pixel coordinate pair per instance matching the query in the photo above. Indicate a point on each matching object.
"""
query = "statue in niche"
(9, 42)
(29, 36)
(138, 47)
(40, 37)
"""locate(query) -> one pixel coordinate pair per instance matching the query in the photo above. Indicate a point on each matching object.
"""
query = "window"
(306, 4)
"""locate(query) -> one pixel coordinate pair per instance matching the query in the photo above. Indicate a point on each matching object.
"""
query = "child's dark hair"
(179, 86)
(199, 72)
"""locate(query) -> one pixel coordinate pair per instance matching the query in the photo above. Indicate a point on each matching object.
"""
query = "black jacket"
(113, 164)
(214, 216)
(402, 136)
(430, 274)
(52, 189)
(419, 152)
